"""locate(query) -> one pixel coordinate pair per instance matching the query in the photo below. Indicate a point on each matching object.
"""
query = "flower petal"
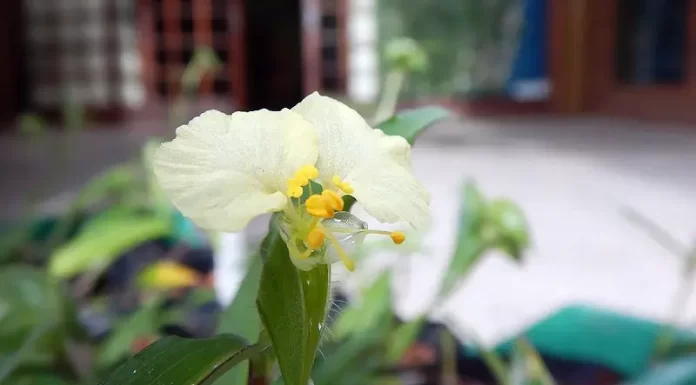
(223, 170)
(378, 166)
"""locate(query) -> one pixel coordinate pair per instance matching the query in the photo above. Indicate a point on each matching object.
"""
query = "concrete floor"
(572, 177)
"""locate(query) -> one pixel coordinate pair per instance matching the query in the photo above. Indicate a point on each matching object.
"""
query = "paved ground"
(570, 176)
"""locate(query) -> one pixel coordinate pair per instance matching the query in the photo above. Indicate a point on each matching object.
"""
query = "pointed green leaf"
(402, 338)
(410, 123)
(242, 319)
(469, 245)
(141, 324)
(31, 320)
(509, 226)
(181, 361)
(292, 305)
(103, 240)
(527, 367)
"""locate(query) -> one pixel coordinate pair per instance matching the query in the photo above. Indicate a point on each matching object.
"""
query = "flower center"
(310, 222)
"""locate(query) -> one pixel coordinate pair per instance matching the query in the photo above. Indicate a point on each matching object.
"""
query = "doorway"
(274, 53)
(639, 61)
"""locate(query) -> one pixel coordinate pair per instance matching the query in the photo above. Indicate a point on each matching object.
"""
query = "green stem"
(390, 96)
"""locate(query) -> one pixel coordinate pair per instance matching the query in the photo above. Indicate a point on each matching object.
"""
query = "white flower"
(223, 170)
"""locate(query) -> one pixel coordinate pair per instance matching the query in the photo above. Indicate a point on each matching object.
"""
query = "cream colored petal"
(378, 166)
(223, 170)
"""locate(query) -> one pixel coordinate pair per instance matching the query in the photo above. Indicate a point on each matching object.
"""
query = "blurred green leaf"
(241, 318)
(353, 358)
(30, 317)
(180, 361)
(36, 379)
(102, 240)
(527, 367)
(469, 245)
(141, 324)
(32, 125)
(372, 311)
(292, 305)
(402, 338)
(509, 227)
(410, 123)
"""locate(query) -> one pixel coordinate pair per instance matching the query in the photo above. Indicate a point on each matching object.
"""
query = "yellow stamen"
(398, 237)
(347, 261)
(315, 238)
(341, 185)
(301, 179)
(308, 171)
(318, 206)
(294, 189)
(333, 199)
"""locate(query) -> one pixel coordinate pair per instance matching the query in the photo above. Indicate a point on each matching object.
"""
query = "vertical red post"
(146, 46)
(173, 44)
(203, 35)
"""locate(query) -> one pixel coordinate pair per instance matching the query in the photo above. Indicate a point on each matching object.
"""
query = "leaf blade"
(411, 123)
(180, 361)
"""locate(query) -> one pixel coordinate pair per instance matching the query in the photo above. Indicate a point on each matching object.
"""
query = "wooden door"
(641, 58)
(171, 31)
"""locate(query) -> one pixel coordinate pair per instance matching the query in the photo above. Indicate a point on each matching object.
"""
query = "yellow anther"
(300, 179)
(294, 189)
(315, 238)
(341, 185)
(309, 171)
(333, 199)
(319, 207)
(398, 237)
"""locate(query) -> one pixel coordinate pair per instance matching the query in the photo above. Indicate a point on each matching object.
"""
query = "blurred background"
(581, 112)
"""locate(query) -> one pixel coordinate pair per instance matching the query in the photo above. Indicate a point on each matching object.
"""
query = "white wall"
(363, 59)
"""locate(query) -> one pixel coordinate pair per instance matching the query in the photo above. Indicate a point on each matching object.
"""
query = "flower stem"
(390, 96)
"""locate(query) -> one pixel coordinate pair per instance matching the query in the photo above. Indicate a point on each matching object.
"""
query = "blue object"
(529, 76)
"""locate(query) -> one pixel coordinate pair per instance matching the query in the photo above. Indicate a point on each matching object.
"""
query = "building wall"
(363, 54)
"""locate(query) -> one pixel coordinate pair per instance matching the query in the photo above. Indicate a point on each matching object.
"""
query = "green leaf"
(102, 240)
(141, 324)
(509, 227)
(348, 202)
(469, 245)
(181, 361)
(373, 311)
(680, 371)
(292, 305)
(36, 379)
(410, 123)
(241, 317)
(527, 367)
(31, 320)
(352, 358)
(402, 338)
